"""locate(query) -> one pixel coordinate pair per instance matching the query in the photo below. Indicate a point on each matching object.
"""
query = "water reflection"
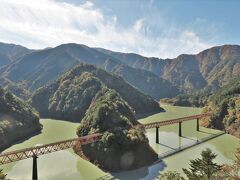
(67, 165)
(142, 173)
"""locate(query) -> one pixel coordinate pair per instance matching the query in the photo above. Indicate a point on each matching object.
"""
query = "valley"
(73, 167)
(92, 90)
(119, 90)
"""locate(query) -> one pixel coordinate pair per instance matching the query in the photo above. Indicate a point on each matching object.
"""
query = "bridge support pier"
(34, 170)
(197, 124)
(180, 129)
(157, 135)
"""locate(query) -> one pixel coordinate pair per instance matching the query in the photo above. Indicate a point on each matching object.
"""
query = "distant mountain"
(4, 60)
(18, 119)
(137, 61)
(41, 67)
(11, 52)
(224, 105)
(70, 96)
(208, 70)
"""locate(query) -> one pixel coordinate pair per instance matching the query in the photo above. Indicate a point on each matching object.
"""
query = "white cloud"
(45, 23)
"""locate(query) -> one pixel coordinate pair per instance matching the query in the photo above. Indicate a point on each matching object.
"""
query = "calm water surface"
(66, 165)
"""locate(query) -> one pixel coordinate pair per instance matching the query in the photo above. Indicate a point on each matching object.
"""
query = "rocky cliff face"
(70, 96)
(123, 146)
(17, 119)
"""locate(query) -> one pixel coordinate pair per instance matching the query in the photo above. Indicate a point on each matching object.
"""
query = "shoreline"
(21, 139)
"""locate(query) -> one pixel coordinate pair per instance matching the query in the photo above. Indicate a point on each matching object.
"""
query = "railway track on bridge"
(174, 121)
(34, 152)
(8, 157)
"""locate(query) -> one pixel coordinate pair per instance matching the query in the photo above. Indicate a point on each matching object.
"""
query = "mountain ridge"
(207, 70)
(70, 96)
(41, 67)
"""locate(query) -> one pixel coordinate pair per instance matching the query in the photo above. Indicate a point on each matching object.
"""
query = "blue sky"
(157, 28)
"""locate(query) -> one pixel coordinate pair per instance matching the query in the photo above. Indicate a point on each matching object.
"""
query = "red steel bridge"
(34, 152)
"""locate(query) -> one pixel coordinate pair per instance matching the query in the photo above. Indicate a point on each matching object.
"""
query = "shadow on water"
(144, 173)
(167, 146)
(20, 140)
(207, 132)
(189, 138)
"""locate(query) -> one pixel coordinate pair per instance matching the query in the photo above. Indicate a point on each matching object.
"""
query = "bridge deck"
(9, 157)
(174, 121)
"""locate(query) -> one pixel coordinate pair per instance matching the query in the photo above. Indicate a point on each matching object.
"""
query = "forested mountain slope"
(209, 69)
(225, 106)
(123, 146)
(18, 120)
(70, 96)
(44, 66)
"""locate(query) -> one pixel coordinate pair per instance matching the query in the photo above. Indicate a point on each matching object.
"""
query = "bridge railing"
(12, 156)
(8, 157)
(173, 121)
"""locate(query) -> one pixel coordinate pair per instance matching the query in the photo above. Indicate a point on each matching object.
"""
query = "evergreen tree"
(203, 168)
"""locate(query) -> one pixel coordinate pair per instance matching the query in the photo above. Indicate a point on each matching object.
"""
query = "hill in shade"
(18, 120)
(15, 88)
(123, 146)
(70, 96)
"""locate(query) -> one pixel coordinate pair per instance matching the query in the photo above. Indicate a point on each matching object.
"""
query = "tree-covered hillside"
(225, 106)
(14, 88)
(189, 100)
(208, 70)
(70, 96)
(123, 146)
(18, 120)
(41, 67)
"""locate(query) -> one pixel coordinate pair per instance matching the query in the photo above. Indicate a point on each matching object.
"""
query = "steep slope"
(44, 66)
(184, 72)
(14, 88)
(71, 95)
(208, 70)
(123, 146)
(220, 64)
(17, 119)
(4, 60)
(225, 106)
(137, 61)
(11, 52)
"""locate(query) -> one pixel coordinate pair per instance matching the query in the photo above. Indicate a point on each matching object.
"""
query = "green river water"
(65, 165)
